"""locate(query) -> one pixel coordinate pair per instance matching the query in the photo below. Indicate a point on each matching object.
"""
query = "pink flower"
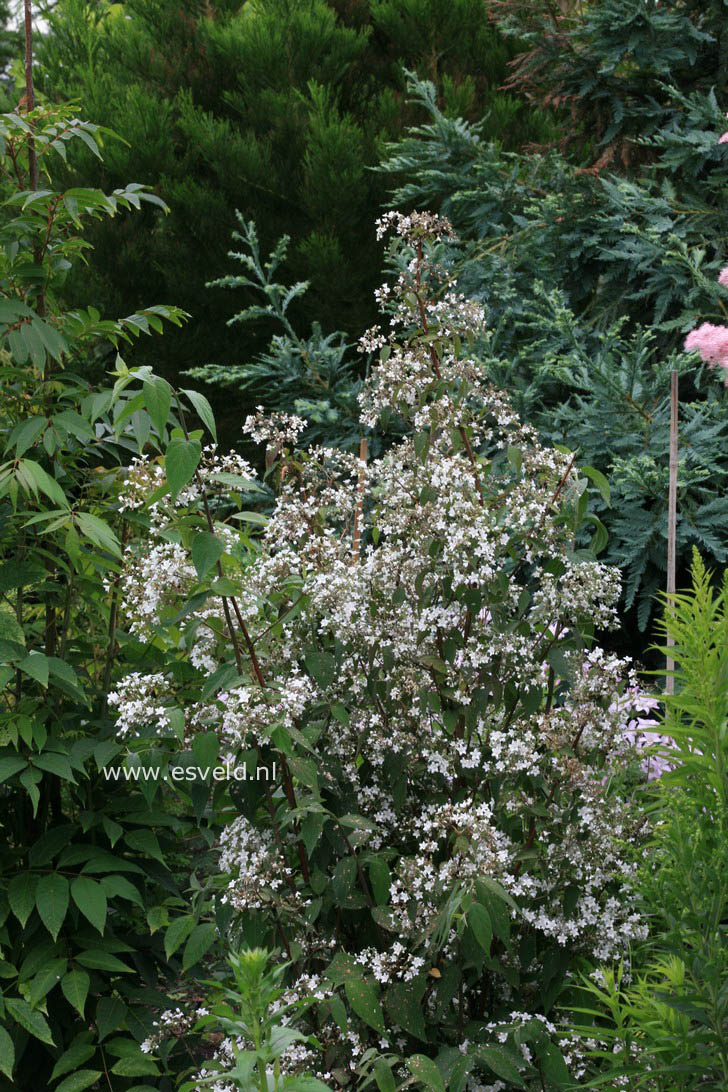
(723, 278)
(712, 344)
(723, 139)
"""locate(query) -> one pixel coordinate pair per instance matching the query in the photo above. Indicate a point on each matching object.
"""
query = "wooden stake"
(672, 519)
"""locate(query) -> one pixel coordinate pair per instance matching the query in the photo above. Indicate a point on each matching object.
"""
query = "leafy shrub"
(666, 1027)
(589, 283)
(409, 644)
(90, 865)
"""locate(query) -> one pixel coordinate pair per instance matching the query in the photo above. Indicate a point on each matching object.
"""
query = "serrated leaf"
(207, 549)
(110, 1013)
(51, 900)
(177, 932)
(501, 1064)
(200, 941)
(181, 461)
(426, 1072)
(90, 898)
(364, 1001)
(75, 1056)
(204, 411)
(35, 664)
(75, 986)
(158, 401)
(21, 895)
(83, 1078)
(7, 1054)
(478, 919)
(32, 1021)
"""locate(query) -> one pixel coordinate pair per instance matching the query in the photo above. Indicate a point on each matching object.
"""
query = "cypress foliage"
(274, 107)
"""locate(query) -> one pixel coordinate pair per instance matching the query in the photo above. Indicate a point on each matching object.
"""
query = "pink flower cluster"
(712, 344)
(709, 340)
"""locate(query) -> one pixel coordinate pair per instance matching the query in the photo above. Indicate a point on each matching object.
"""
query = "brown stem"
(231, 601)
(356, 538)
(113, 622)
(30, 94)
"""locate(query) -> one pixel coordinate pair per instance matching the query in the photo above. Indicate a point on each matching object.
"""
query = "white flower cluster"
(252, 857)
(431, 674)
(275, 428)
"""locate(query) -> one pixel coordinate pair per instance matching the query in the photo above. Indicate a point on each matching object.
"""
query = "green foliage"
(413, 856)
(315, 378)
(90, 865)
(255, 1012)
(614, 64)
(275, 107)
(666, 1027)
(572, 268)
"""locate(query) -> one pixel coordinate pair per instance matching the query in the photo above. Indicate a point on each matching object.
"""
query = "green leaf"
(97, 960)
(598, 479)
(553, 1066)
(51, 900)
(158, 400)
(135, 1067)
(426, 1072)
(206, 552)
(90, 898)
(120, 887)
(10, 628)
(45, 980)
(178, 931)
(204, 411)
(76, 1055)
(384, 1077)
(110, 1013)
(404, 1005)
(181, 460)
(54, 763)
(31, 472)
(380, 879)
(50, 844)
(7, 1054)
(83, 1078)
(33, 1022)
(501, 1064)
(98, 532)
(35, 664)
(479, 921)
(321, 666)
(364, 1001)
(21, 895)
(25, 434)
(75, 987)
(10, 766)
(200, 941)
(146, 843)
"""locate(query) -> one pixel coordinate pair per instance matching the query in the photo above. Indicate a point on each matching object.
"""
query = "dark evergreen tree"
(277, 108)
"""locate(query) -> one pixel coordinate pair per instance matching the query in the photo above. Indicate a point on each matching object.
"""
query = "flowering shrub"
(411, 640)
